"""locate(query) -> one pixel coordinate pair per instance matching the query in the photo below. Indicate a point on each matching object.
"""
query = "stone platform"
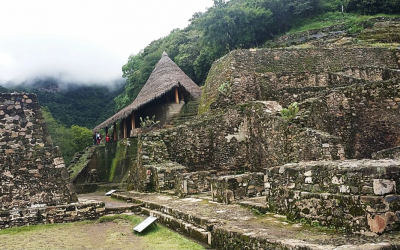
(240, 226)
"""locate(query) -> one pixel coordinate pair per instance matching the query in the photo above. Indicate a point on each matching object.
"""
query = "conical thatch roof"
(165, 76)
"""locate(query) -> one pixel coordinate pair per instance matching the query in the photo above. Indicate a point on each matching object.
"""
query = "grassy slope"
(331, 18)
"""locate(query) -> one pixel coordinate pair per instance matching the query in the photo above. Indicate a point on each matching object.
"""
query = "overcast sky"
(83, 40)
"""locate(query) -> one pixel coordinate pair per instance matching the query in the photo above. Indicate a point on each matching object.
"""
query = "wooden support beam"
(125, 127)
(115, 132)
(176, 95)
(106, 130)
(133, 120)
(181, 96)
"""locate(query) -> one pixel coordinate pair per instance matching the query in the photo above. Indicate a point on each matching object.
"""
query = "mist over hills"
(72, 103)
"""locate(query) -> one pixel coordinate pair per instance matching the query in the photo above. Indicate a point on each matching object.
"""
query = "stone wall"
(353, 194)
(32, 172)
(366, 116)
(240, 139)
(247, 138)
(194, 182)
(104, 167)
(242, 69)
(374, 30)
(392, 153)
(229, 188)
(52, 214)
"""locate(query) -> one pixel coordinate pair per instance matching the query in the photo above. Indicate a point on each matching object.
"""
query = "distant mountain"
(73, 103)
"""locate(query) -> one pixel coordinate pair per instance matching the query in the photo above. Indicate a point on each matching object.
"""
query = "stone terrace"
(236, 227)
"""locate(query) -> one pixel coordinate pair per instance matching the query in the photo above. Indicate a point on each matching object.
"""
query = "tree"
(82, 137)
(69, 140)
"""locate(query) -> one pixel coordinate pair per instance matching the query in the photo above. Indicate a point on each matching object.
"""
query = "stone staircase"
(189, 111)
(111, 163)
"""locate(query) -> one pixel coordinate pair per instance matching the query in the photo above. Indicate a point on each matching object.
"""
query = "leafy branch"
(290, 112)
(224, 87)
(148, 123)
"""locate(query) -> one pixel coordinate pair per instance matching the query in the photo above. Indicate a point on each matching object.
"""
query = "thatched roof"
(165, 77)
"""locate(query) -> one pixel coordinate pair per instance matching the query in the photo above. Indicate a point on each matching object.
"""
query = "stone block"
(377, 224)
(383, 186)
(58, 161)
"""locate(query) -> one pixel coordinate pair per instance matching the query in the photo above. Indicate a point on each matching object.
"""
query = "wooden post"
(181, 96)
(176, 95)
(106, 130)
(115, 131)
(125, 127)
(133, 120)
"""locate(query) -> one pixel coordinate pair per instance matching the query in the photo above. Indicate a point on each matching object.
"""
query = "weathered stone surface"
(337, 201)
(377, 224)
(382, 186)
(42, 214)
(32, 172)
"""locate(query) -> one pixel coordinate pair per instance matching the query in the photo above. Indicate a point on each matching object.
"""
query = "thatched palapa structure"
(166, 82)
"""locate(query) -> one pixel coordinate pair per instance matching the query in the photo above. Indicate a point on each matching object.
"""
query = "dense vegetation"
(73, 103)
(69, 140)
(234, 25)
(71, 110)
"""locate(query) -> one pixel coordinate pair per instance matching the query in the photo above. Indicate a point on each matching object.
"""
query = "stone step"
(197, 221)
(258, 203)
(222, 233)
(180, 226)
(188, 225)
(123, 209)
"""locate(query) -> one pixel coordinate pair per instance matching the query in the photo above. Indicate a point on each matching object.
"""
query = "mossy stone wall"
(239, 139)
(113, 161)
(242, 70)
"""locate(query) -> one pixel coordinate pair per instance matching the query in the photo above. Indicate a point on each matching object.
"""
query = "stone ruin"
(35, 184)
(317, 166)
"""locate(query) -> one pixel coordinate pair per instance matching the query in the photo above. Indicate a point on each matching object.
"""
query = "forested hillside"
(238, 24)
(228, 25)
(71, 110)
(73, 103)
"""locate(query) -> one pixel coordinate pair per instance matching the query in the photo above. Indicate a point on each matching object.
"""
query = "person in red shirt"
(107, 138)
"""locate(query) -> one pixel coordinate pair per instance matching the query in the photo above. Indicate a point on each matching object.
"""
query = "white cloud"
(86, 40)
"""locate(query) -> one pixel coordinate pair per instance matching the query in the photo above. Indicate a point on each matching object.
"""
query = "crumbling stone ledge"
(358, 195)
(86, 210)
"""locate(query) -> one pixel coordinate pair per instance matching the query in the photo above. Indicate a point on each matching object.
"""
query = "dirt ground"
(117, 234)
(109, 235)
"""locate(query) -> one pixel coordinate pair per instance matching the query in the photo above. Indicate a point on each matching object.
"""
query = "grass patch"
(163, 238)
(131, 219)
(351, 21)
(156, 236)
(257, 212)
(108, 232)
(33, 228)
(321, 21)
